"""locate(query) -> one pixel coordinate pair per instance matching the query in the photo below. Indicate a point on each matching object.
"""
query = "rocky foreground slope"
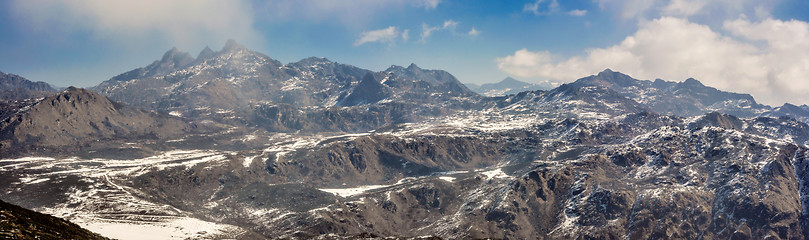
(20, 223)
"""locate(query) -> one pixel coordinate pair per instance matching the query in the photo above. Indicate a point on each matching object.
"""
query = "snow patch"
(347, 192)
(448, 179)
(176, 228)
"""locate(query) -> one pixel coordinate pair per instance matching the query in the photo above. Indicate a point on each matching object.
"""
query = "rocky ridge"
(15, 87)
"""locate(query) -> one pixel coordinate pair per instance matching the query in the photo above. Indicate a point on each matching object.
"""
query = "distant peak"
(315, 60)
(394, 68)
(205, 53)
(170, 53)
(413, 66)
(510, 80)
(75, 91)
(789, 105)
(608, 72)
(176, 56)
(692, 82)
(231, 45)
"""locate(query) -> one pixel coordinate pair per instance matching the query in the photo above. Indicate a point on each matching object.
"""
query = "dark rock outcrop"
(20, 223)
(369, 90)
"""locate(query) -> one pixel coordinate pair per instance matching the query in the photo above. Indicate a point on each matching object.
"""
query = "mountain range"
(14, 87)
(233, 144)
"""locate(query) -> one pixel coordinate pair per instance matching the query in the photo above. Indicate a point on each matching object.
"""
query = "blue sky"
(758, 47)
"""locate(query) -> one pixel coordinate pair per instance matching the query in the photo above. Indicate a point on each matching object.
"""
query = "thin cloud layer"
(710, 11)
(541, 7)
(351, 13)
(577, 12)
(182, 21)
(764, 58)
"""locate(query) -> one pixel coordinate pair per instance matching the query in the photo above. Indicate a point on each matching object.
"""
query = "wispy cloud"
(385, 35)
(449, 25)
(537, 7)
(426, 31)
(473, 32)
(429, 4)
(356, 14)
(184, 22)
(405, 35)
(577, 12)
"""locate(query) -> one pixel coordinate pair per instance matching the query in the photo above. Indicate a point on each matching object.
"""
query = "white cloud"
(405, 35)
(184, 22)
(764, 58)
(473, 32)
(683, 7)
(450, 24)
(537, 9)
(577, 12)
(429, 4)
(387, 35)
(426, 31)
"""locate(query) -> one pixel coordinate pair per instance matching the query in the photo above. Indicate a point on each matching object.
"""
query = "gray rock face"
(77, 116)
(415, 79)
(369, 90)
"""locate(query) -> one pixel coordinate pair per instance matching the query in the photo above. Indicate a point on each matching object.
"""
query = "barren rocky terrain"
(234, 144)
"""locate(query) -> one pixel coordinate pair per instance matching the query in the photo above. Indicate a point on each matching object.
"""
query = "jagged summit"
(71, 89)
(206, 53)
(175, 57)
(608, 78)
(232, 45)
(313, 61)
(369, 90)
(691, 82)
